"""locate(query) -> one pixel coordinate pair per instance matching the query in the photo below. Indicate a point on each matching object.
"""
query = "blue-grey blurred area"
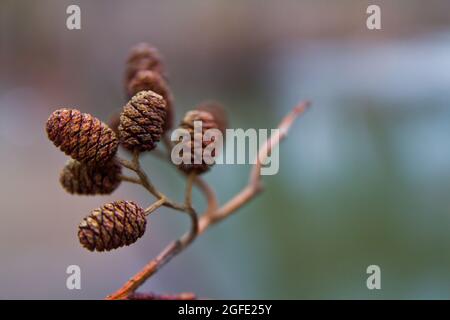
(364, 175)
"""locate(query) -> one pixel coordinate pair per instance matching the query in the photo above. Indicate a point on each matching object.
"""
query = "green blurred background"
(364, 175)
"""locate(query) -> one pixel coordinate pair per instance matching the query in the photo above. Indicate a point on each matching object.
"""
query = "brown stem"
(154, 206)
(130, 179)
(153, 296)
(254, 185)
(165, 256)
(208, 193)
(201, 184)
(191, 211)
(245, 195)
(143, 180)
(188, 193)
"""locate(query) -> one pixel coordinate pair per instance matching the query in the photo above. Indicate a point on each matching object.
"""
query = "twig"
(172, 250)
(207, 220)
(143, 180)
(130, 179)
(191, 211)
(188, 193)
(154, 206)
(254, 184)
(153, 296)
(202, 185)
(208, 192)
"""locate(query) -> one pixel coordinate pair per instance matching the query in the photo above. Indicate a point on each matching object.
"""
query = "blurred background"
(364, 176)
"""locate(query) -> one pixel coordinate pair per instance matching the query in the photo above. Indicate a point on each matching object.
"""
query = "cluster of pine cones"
(93, 145)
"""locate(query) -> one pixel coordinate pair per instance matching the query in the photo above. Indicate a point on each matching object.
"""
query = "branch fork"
(212, 215)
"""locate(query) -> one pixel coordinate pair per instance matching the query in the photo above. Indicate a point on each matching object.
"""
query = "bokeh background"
(364, 175)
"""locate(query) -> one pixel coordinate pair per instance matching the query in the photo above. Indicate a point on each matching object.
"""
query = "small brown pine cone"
(142, 57)
(80, 178)
(208, 122)
(218, 112)
(142, 121)
(153, 81)
(112, 226)
(82, 136)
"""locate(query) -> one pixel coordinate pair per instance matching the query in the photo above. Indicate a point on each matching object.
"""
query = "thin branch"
(153, 296)
(202, 185)
(254, 185)
(191, 211)
(165, 256)
(135, 166)
(154, 206)
(130, 179)
(126, 163)
(143, 176)
(188, 193)
(209, 194)
(245, 195)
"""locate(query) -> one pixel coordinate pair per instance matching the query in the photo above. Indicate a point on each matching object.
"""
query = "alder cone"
(218, 112)
(142, 57)
(80, 178)
(82, 136)
(208, 122)
(112, 226)
(146, 80)
(142, 121)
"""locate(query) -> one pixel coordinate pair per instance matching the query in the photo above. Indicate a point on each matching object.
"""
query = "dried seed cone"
(80, 178)
(112, 226)
(82, 136)
(142, 121)
(153, 81)
(218, 112)
(208, 122)
(142, 57)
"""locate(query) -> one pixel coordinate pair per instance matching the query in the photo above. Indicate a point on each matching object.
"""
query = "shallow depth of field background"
(364, 176)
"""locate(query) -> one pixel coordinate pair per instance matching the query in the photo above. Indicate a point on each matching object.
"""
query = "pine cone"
(151, 80)
(208, 122)
(80, 178)
(218, 112)
(142, 121)
(112, 226)
(82, 136)
(142, 57)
